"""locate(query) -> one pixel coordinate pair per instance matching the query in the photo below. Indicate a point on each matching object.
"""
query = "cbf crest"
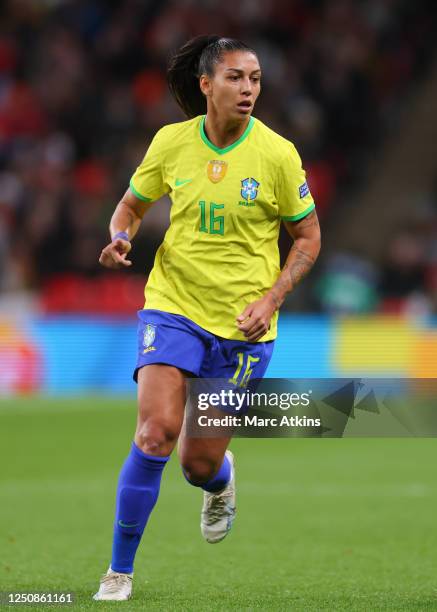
(249, 189)
(216, 170)
(149, 336)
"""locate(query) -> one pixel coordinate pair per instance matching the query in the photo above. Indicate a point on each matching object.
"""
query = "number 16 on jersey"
(211, 223)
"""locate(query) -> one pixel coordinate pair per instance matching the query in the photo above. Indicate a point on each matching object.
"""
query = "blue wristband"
(121, 235)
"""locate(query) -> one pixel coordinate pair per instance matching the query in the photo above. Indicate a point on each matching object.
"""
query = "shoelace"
(217, 506)
(114, 581)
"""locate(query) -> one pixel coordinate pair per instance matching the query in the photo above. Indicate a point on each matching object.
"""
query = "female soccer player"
(216, 286)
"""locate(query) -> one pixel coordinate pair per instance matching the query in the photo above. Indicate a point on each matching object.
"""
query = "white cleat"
(114, 587)
(218, 512)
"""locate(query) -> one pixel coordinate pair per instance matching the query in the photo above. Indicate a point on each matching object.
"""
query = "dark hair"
(196, 57)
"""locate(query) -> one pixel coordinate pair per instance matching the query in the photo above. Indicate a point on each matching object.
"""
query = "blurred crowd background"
(83, 90)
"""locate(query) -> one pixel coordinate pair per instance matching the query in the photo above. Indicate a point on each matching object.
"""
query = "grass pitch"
(322, 524)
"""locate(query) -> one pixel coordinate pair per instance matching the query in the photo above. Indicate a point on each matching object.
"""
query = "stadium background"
(82, 90)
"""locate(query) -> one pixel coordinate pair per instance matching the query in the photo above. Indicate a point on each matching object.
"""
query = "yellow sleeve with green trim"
(293, 195)
(148, 183)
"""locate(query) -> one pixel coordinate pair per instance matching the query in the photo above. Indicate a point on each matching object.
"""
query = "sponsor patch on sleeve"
(304, 190)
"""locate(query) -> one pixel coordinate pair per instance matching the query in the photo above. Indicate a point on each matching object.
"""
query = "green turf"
(322, 524)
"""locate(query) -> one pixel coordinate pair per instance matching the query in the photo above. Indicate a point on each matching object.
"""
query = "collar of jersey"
(230, 147)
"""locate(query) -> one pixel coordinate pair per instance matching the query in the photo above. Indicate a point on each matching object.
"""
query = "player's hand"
(254, 321)
(114, 254)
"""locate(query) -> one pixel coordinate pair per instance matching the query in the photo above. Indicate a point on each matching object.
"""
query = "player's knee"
(155, 438)
(198, 471)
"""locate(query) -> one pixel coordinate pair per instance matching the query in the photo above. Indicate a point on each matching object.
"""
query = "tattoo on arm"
(300, 266)
(297, 269)
(309, 221)
(299, 261)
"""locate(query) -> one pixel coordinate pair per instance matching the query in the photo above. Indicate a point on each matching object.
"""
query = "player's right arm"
(146, 186)
(126, 220)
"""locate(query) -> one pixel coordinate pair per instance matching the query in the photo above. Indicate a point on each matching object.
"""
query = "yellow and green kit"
(220, 252)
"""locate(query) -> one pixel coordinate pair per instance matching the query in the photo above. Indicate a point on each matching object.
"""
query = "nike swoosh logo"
(179, 182)
(127, 524)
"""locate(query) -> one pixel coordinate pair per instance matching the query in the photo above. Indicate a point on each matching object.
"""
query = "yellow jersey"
(220, 252)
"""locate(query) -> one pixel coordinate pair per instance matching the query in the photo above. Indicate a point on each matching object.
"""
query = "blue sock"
(219, 481)
(137, 492)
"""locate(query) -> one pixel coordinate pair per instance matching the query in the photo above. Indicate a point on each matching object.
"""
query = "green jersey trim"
(138, 195)
(206, 140)
(300, 215)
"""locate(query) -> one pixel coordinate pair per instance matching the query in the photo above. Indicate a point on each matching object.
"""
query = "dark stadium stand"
(83, 90)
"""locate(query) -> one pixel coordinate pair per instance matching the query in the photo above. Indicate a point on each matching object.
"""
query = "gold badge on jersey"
(216, 170)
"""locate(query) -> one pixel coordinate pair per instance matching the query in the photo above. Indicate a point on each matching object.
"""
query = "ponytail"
(196, 57)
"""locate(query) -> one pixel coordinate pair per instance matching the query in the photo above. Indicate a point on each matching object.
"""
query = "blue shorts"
(175, 340)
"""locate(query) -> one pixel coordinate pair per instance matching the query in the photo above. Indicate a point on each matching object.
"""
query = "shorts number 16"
(247, 372)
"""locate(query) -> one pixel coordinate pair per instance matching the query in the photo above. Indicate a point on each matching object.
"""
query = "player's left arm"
(301, 258)
(254, 321)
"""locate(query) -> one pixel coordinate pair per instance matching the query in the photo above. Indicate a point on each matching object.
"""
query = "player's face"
(233, 89)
